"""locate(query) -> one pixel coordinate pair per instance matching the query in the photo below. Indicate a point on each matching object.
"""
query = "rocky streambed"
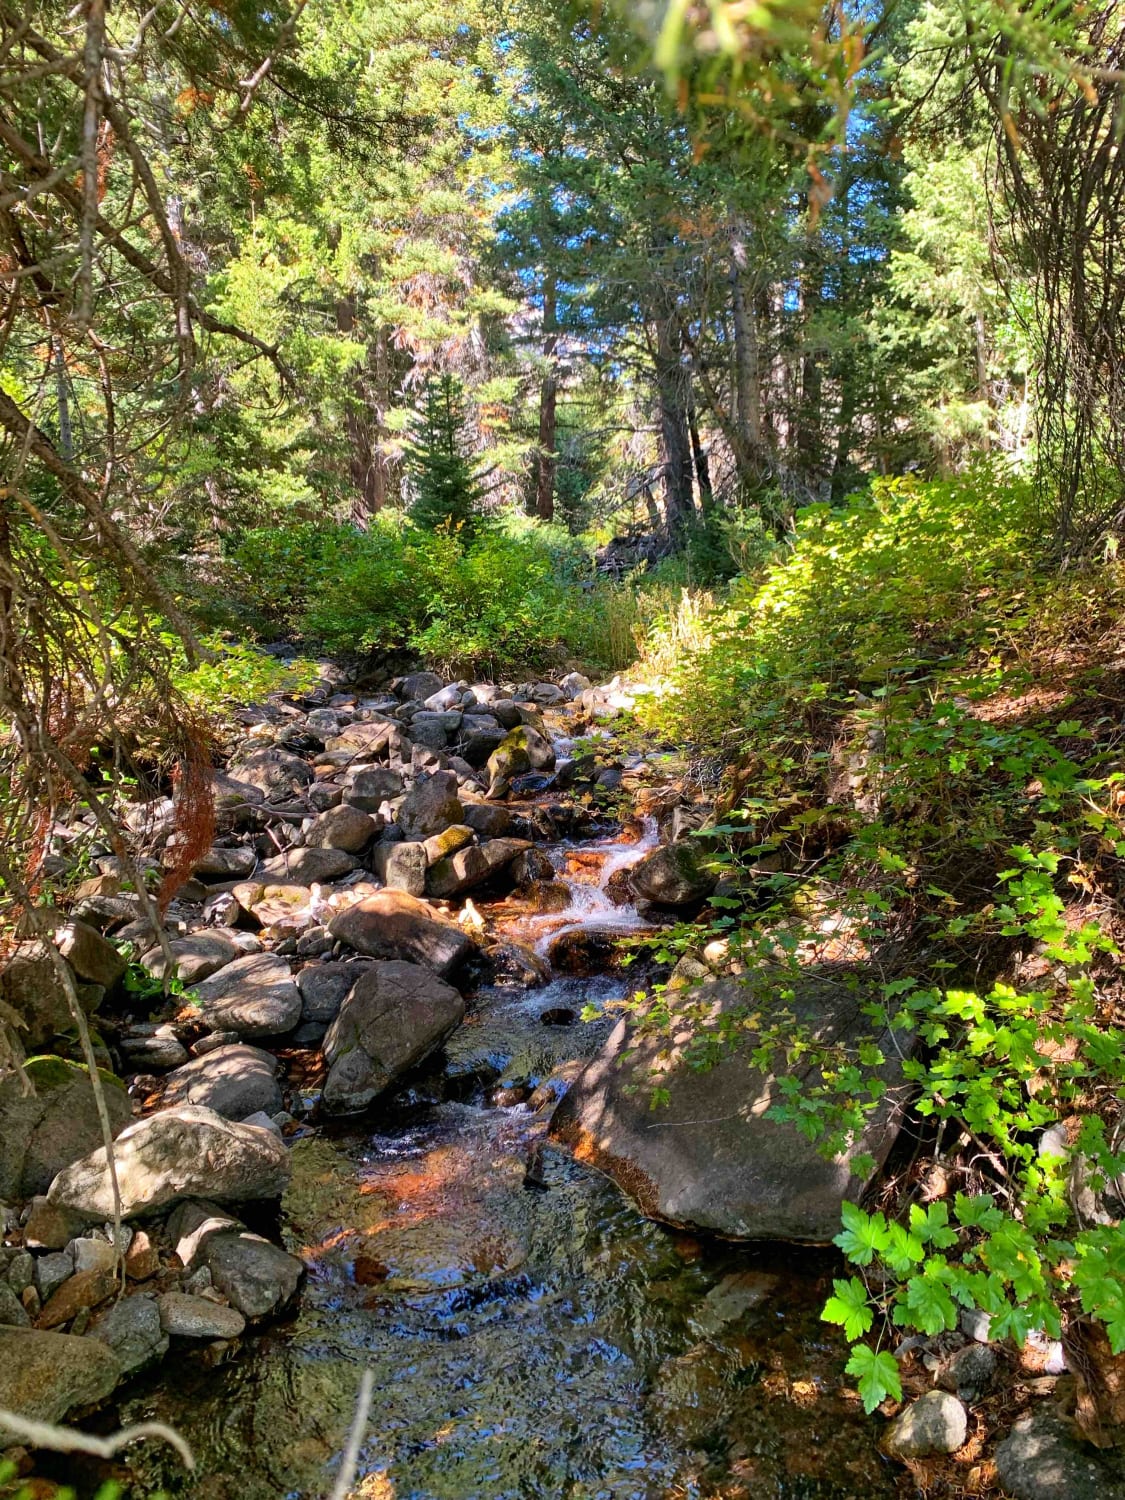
(394, 1124)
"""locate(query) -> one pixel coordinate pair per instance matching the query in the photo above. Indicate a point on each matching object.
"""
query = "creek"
(529, 1332)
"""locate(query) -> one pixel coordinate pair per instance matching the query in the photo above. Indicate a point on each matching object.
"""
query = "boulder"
(317, 866)
(935, 1423)
(30, 985)
(197, 956)
(371, 786)
(45, 1375)
(90, 955)
(324, 988)
(186, 1317)
(1042, 1458)
(441, 845)
(226, 864)
(420, 686)
(708, 1159)
(487, 820)
(395, 1016)
(673, 875)
(401, 867)
(192, 1223)
(392, 924)
(574, 685)
(431, 806)
(473, 866)
(233, 1081)
(187, 1152)
(131, 1330)
(278, 774)
(254, 1276)
(255, 996)
(343, 827)
(152, 1048)
(43, 1131)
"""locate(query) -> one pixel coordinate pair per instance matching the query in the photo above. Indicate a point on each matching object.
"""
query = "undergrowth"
(925, 804)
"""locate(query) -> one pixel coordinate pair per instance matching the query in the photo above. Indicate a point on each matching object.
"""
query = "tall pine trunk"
(541, 497)
(673, 390)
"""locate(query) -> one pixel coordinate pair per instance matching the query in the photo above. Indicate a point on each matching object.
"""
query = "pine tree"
(447, 493)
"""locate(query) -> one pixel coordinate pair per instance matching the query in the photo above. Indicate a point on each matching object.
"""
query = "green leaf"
(877, 1374)
(864, 1235)
(849, 1307)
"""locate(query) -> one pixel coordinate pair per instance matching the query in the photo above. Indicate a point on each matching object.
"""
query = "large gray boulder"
(1043, 1458)
(234, 1081)
(395, 1016)
(52, 1125)
(708, 1159)
(473, 866)
(430, 806)
(44, 1375)
(392, 924)
(187, 1152)
(255, 996)
(324, 987)
(316, 866)
(674, 875)
(197, 956)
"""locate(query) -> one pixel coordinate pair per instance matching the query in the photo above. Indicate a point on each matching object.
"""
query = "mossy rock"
(57, 1123)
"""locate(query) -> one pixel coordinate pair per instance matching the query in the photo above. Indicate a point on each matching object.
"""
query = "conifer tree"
(447, 492)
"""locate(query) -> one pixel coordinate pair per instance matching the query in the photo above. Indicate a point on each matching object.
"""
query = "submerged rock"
(394, 1017)
(709, 1159)
(188, 1152)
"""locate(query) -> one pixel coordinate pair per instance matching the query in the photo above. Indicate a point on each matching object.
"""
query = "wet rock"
(558, 1015)
(45, 1375)
(186, 1317)
(197, 956)
(401, 867)
(43, 1131)
(522, 750)
(254, 1276)
(672, 876)
(309, 866)
(532, 865)
(255, 996)
(587, 950)
(274, 772)
(131, 1330)
(397, 1014)
(711, 1160)
(473, 866)
(233, 1081)
(324, 987)
(392, 924)
(187, 1152)
(344, 827)
(1043, 1459)
(222, 863)
(935, 1423)
(970, 1371)
(89, 954)
(82, 1290)
(431, 806)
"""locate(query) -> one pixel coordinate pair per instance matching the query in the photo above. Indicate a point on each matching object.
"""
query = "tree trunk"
(542, 496)
(672, 386)
(747, 363)
(702, 467)
(365, 466)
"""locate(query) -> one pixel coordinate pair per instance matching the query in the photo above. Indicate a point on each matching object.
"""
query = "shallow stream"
(530, 1334)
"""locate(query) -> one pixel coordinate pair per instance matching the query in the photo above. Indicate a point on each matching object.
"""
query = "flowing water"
(529, 1333)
